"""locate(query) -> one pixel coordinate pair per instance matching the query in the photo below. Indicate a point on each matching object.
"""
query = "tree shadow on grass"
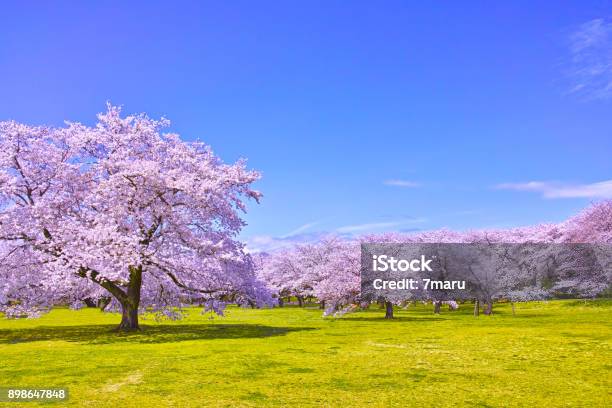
(170, 333)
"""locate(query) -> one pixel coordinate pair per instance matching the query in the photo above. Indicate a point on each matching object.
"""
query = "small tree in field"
(120, 210)
(338, 276)
(303, 270)
(284, 274)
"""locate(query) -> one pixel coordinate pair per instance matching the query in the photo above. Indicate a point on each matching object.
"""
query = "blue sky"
(362, 116)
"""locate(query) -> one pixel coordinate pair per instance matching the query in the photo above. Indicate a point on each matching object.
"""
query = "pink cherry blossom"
(123, 210)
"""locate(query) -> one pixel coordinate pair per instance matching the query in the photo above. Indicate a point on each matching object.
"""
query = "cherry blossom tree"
(284, 274)
(506, 265)
(592, 225)
(337, 284)
(121, 210)
(545, 260)
(301, 270)
(516, 264)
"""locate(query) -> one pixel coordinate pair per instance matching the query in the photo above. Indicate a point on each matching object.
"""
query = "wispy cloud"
(401, 183)
(602, 189)
(300, 229)
(377, 226)
(591, 59)
(268, 243)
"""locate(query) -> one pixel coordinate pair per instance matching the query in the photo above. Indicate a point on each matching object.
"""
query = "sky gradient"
(362, 116)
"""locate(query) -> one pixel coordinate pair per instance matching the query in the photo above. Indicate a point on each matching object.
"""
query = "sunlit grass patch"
(548, 354)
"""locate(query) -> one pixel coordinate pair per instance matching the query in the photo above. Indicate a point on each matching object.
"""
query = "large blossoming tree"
(124, 211)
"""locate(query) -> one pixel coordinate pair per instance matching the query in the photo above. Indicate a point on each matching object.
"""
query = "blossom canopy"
(121, 210)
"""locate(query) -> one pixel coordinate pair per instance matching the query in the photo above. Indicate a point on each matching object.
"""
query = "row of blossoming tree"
(330, 270)
(135, 220)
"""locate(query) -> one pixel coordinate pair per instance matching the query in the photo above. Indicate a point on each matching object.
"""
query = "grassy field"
(549, 354)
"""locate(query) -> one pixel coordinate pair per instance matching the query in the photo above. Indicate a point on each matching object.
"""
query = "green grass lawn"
(549, 354)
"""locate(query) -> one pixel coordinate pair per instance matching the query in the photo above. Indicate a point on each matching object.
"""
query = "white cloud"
(268, 243)
(602, 189)
(375, 226)
(300, 229)
(591, 59)
(401, 183)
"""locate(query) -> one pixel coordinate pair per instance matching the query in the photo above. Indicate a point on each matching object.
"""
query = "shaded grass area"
(549, 354)
(106, 333)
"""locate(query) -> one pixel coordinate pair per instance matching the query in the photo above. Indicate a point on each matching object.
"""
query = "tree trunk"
(89, 302)
(513, 311)
(476, 307)
(322, 305)
(129, 318)
(281, 302)
(388, 310)
(103, 302)
(488, 308)
(300, 301)
(131, 302)
(437, 305)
